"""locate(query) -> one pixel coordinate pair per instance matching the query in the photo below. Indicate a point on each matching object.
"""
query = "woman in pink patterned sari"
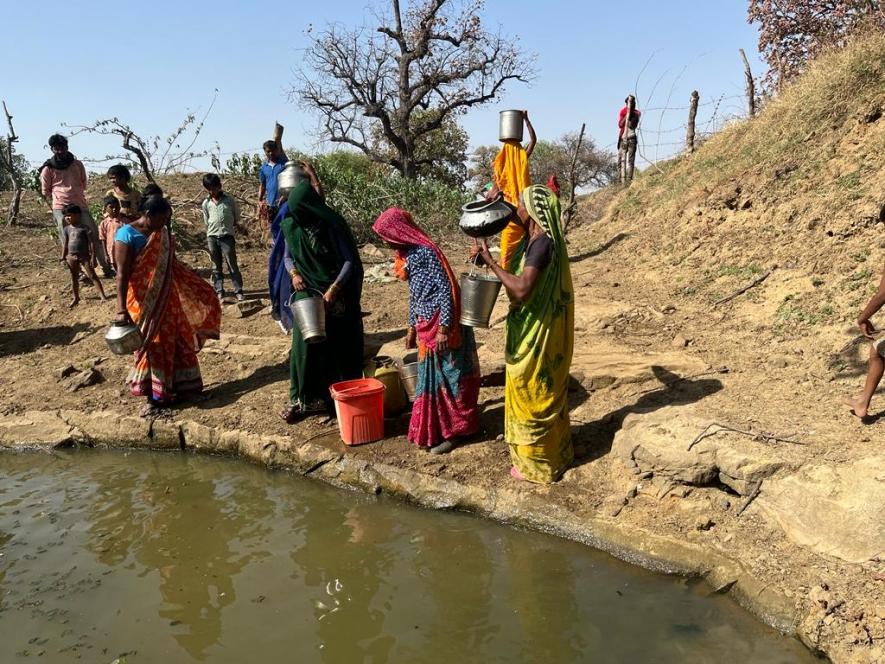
(446, 396)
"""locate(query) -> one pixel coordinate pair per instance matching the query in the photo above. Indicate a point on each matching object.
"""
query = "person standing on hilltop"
(62, 183)
(860, 405)
(268, 193)
(627, 139)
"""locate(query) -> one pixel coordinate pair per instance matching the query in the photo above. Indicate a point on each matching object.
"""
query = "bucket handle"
(309, 290)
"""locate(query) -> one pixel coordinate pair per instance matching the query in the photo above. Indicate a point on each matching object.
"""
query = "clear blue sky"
(146, 63)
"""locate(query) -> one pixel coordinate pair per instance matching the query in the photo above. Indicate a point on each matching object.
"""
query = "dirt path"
(649, 374)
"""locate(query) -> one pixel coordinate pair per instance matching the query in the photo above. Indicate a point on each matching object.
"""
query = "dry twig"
(762, 436)
(754, 493)
(740, 291)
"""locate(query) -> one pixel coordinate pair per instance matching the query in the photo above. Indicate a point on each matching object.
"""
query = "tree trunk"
(750, 85)
(692, 114)
(11, 138)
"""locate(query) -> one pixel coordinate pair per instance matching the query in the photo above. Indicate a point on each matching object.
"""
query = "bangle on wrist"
(294, 273)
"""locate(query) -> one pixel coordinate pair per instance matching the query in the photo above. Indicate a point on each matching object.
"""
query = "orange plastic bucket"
(359, 406)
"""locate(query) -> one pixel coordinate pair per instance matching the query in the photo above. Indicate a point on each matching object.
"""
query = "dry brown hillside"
(800, 187)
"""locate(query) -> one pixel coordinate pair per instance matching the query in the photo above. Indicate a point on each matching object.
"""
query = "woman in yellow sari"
(540, 340)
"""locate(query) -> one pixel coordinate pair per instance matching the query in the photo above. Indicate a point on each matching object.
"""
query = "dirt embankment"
(712, 427)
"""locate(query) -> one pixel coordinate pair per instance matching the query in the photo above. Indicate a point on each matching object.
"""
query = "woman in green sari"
(540, 341)
(325, 259)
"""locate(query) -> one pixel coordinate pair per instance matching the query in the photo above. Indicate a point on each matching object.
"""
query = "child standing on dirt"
(109, 226)
(221, 214)
(128, 196)
(77, 251)
(860, 405)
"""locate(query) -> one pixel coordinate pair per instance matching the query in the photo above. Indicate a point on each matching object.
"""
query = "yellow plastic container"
(383, 369)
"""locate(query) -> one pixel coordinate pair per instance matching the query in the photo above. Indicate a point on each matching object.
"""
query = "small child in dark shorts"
(77, 251)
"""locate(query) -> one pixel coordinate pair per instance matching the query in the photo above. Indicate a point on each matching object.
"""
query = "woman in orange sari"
(174, 308)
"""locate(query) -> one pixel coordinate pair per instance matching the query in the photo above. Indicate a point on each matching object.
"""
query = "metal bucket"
(478, 295)
(123, 338)
(310, 317)
(510, 126)
(408, 374)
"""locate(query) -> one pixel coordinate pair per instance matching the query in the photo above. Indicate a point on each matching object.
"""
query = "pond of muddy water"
(169, 557)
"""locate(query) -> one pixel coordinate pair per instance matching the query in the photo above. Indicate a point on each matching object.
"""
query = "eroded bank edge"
(520, 507)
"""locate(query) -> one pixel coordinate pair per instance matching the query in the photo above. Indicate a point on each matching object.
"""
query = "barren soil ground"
(627, 360)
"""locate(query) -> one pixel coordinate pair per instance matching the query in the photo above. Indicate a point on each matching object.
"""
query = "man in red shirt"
(627, 139)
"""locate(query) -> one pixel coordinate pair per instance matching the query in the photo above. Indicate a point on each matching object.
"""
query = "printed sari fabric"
(540, 341)
(511, 168)
(313, 233)
(447, 391)
(176, 311)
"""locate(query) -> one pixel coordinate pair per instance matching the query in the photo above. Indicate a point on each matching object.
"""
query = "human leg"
(217, 270)
(229, 251)
(97, 245)
(59, 218)
(90, 272)
(860, 405)
(74, 266)
(631, 158)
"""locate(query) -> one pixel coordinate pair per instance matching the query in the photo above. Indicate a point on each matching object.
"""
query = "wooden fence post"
(750, 85)
(692, 114)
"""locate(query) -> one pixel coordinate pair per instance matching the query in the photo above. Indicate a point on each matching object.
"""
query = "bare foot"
(74, 302)
(515, 474)
(856, 406)
(150, 409)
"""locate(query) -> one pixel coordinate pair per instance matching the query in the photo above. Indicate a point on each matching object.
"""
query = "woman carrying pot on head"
(175, 309)
(539, 343)
(446, 395)
(279, 264)
(325, 261)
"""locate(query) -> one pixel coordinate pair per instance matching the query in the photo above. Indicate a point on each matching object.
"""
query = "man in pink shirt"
(63, 182)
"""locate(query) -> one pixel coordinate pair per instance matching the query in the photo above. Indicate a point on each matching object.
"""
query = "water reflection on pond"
(175, 558)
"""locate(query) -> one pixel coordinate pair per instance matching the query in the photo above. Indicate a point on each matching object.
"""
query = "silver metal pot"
(478, 295)
(485, 218)
(310, 317)
(408, 373)
(510, 126)
(123, 338)
(290, 176)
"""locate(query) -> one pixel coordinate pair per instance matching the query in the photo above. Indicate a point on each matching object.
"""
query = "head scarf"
(396, 226)
(553, 184)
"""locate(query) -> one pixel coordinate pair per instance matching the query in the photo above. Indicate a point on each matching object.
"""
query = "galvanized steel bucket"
(310, 317)
(408, 374)
(478, 295)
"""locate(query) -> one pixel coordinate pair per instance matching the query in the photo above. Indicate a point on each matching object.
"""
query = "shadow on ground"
(19, 342)
(600, 249)
(227, 393)
(598, 436)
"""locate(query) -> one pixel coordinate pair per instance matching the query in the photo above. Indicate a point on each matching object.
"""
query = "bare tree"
(9, 163)
(434, 57)
(153, 155)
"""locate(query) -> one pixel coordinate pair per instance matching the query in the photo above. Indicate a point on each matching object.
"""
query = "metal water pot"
(478, 295)
(291, 175)
(510, 126)
(310, 317)
(123, 338)
(484, 218)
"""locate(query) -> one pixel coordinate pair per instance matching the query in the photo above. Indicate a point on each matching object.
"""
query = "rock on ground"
(837, 510)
